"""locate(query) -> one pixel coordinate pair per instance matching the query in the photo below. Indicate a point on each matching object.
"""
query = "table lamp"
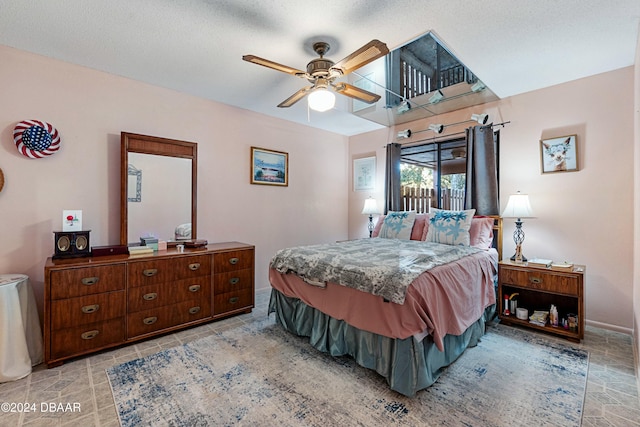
(370, 208)
(518, 207)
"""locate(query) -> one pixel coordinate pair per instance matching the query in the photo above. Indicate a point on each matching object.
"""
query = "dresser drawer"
(540, 280)
(152, 296)
(142, 273)
(81, 339)
(233, 281)
(78, 311)
(231, 261)
(223, 303)
(156, 319)
(75, 282)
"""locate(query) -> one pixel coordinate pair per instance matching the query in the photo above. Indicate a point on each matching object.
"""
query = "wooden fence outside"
(421, 199)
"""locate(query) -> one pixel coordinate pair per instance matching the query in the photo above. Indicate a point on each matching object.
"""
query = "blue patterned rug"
(261, 375)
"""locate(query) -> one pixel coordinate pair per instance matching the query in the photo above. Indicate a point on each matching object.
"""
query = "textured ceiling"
(196, 46)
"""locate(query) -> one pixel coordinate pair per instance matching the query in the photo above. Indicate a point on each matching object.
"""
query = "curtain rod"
(436, 139)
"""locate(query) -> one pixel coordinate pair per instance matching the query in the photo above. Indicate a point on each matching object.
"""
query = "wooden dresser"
(95, 303)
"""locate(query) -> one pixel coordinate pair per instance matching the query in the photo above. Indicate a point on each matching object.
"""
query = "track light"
(480, 118)
(436, 97)
(404, 134)
(437, 128)
(478, 86)
(403, 107)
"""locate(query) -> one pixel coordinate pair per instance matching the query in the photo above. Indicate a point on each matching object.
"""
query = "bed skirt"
(407, 364)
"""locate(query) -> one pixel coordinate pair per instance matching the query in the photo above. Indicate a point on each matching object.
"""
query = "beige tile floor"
(612, 389)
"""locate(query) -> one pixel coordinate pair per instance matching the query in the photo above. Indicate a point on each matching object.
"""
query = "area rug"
(259, 374)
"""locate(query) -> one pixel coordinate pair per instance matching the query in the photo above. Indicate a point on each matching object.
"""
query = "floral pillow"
(450, 227)
(397, 225)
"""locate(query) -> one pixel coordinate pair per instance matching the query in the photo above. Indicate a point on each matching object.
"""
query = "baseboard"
(609, 327)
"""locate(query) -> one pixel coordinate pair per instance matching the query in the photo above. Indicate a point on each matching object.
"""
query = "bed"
(406, 323)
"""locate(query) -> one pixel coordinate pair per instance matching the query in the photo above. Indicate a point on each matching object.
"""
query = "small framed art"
(269, 167)
(364, 174)
(559, 154)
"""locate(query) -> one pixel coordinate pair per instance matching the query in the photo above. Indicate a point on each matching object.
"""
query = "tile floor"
(612, 392)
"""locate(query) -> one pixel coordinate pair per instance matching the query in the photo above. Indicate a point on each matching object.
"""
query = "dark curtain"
(481, 192)
(392, 178)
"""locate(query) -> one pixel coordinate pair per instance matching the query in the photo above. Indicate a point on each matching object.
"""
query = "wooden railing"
(422, 199)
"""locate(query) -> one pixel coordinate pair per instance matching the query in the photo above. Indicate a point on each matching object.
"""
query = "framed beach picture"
(559, 154)
(269, 167)
(364, 174)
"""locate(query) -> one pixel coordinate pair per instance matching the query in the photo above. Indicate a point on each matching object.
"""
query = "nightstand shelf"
(537, 289)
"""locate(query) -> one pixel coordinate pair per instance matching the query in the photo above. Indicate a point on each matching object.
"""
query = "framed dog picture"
(559, 154)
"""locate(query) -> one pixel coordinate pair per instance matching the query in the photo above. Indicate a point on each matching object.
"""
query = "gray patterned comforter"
(383, 267)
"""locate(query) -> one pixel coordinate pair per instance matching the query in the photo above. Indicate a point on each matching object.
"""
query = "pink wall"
(585, 216)
(91, 108)
(636, 181)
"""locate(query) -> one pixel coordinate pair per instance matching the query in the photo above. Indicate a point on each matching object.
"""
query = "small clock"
(71, 244)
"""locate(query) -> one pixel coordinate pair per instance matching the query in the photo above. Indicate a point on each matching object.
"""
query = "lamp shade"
(370, 206)
(321, 100)
(518, 206)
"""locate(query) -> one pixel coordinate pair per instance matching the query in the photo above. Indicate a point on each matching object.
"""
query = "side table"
(20, 333)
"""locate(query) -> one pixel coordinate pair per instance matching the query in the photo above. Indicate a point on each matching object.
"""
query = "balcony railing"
(422, 199)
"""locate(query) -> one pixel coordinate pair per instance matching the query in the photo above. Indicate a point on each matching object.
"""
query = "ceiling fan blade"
(356, 92)
(295, 97)
(367, 53)
(273, 65)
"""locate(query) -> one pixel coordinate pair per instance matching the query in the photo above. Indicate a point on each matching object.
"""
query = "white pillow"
(450, 227)
(397, 225)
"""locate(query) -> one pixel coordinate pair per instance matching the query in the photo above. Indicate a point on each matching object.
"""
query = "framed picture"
(364, 174)
(269, 167)
(559, 154)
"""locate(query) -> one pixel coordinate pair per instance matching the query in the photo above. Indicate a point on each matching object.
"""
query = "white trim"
(610, 327)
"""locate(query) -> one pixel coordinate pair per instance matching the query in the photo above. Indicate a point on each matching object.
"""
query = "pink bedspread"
(444, 300)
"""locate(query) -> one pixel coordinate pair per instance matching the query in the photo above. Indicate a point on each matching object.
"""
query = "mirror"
(158, 187)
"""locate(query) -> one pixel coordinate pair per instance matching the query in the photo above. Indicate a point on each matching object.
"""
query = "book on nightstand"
(540, 262)
(562, 266)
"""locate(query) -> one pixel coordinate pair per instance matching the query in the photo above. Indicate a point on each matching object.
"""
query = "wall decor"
(269, 167)
(36, 139)
(1, 179)
(364, 174)
(559, 154)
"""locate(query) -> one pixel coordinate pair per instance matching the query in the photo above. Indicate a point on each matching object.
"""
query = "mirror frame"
(145, 144)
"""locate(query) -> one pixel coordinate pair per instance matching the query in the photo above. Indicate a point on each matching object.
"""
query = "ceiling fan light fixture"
(322, 100)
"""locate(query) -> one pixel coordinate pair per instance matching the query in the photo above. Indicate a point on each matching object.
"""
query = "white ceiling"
(196, 46)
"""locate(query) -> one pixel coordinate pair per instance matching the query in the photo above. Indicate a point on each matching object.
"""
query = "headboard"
(497, 234)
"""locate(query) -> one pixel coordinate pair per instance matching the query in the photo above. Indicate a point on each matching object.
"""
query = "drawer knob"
(194, 310)
(88, 309)
(149, 320)
(90, 281)
(89, 335)
(194, 288)
(535, 280)
(234, 280)
(150, 272)
(150, 296)
(233, 300)
(194, 266)
(233, 261)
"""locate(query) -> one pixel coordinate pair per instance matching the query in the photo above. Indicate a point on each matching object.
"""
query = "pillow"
(481, 232)
(450, 227)
(418, 232)
(397, 225)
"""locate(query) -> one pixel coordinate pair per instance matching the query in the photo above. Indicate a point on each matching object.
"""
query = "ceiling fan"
(321, 72)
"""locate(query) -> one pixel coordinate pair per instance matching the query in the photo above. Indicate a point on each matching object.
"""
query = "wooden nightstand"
(537, 289)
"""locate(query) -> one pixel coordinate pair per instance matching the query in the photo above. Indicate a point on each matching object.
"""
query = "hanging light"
(321, 99)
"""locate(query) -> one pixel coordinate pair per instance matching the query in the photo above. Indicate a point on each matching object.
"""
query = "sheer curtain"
(392, 178)
(481, 192)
